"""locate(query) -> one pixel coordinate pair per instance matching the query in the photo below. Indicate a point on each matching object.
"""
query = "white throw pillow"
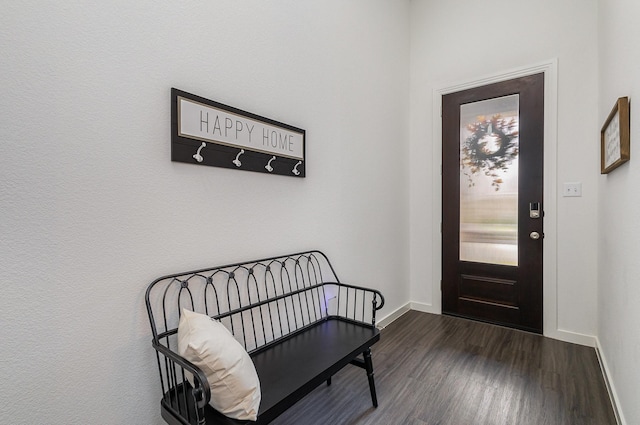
(208, 344)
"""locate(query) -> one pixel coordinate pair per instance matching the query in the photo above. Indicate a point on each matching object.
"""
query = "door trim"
(550, 287)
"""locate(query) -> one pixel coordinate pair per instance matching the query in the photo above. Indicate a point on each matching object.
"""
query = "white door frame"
(549, 258)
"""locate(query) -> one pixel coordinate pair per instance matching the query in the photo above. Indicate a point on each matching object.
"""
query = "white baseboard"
(572, 337)
(559, 334)
(425, 308)
(615, 402)
(389, 318)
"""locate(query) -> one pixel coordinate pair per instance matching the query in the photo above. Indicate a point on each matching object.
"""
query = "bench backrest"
(259, 301)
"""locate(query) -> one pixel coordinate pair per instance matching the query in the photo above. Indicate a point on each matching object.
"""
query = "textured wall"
(93, 209)
(619, 210)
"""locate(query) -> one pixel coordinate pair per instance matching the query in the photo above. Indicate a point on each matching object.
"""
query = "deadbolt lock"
(534, 210)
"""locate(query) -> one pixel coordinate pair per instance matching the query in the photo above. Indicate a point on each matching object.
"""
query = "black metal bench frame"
(298, 322)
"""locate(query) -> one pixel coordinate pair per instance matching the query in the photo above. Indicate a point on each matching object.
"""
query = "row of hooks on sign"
(198, 157)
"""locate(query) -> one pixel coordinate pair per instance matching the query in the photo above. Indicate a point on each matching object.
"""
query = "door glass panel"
(489, 181)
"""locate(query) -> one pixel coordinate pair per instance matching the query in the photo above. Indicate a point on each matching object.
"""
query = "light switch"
(572, 189)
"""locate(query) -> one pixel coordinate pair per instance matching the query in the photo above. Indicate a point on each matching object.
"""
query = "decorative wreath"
(491, 147)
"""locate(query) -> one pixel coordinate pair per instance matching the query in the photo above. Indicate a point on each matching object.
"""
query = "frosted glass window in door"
(489, 181)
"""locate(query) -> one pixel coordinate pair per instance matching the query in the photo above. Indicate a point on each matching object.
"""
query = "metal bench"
(298, 323)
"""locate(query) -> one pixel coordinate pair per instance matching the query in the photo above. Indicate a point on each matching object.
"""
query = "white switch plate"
(572, 189)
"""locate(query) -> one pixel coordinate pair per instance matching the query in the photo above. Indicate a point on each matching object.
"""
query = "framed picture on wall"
(614, 137)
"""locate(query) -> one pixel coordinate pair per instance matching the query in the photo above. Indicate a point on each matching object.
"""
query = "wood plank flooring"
(440, 370)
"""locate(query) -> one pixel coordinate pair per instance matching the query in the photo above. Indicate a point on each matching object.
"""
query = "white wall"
(459, 41)
(93, 209)
(619, 210)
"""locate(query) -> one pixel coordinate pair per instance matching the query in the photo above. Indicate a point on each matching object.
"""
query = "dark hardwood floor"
(440, 370)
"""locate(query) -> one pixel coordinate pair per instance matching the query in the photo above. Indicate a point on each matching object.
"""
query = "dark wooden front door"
(492, 202)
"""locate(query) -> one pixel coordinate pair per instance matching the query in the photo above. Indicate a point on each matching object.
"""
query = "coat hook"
(197, 155)
(237, 160)
(268, 166)
(295, 169)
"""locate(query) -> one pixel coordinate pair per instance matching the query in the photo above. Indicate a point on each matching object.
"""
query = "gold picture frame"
(614, 137)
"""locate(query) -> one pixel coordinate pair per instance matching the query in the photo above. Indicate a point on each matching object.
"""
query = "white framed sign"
(206, 132)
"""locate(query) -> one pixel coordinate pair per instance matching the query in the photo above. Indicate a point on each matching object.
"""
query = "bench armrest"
(353, 307)
(377, 293)
(201, 391)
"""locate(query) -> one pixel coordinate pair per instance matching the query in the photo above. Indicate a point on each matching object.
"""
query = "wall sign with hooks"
(205, 132)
